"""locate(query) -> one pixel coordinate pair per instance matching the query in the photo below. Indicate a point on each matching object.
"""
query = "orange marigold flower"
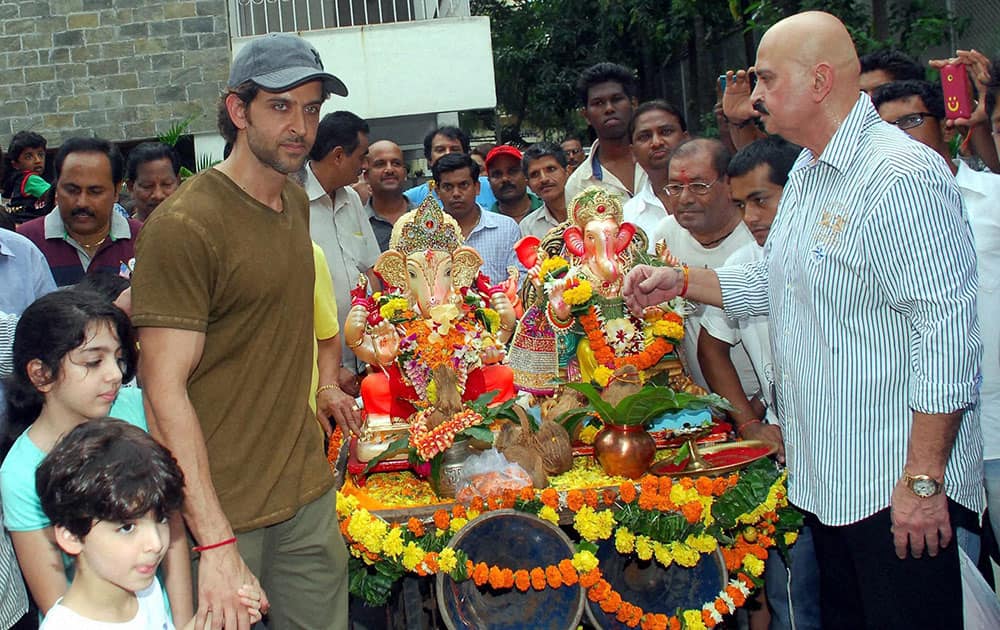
(704, 486)
(496, 577)
(574, 500)
(648, 500)
(627, 492)
(612, 602)
(608, 496)
(509, 496)
(553, 576)
(431, 560)
(666, 483)
(664, 504)
(527, 493)
(649, 484)
(550, 497)
(522, 580)
(671, 316)
(569, 574)
(477, 504)
(495, 502)
(733, 478)
(481, 574)
(686, 483)
(441, 519)
(590, 578)
(415, 526)
(459, 511)
(719, 486)
(736, 595)
(691, 511)
(721, 606)
(707, 619)
(590, 497)
(675, 623)
(538, 579)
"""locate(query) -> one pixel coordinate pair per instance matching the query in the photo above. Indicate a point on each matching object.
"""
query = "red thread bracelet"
(740, 428)
(687, 273)
(223, 543)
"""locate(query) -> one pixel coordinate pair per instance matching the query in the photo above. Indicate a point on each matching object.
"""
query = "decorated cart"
(495, 417)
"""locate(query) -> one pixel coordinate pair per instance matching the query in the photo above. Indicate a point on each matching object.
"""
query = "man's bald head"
(808, 71)
(386, 172)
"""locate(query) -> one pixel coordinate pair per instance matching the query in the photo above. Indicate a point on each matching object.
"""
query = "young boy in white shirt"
(109, 489)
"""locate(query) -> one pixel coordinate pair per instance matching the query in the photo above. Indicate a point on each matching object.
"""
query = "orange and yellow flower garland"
(744, 557)
(647, 358)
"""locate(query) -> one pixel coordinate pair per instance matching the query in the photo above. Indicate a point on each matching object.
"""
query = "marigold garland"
(417, 550)
(647, 358)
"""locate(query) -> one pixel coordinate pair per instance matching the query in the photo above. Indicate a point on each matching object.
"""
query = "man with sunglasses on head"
(706, 228)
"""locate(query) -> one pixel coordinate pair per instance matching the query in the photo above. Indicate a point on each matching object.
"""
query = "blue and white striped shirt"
(869, 277)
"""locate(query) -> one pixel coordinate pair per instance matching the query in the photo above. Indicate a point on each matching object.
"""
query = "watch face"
(923, 487)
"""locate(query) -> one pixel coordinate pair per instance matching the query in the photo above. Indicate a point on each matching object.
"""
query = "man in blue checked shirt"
(869, 281)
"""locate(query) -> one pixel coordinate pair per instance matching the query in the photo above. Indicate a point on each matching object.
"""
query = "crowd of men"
(843, 271)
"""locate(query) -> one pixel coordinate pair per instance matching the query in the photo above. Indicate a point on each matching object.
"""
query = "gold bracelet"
(323, 388)
(360, 341)
(505, 328)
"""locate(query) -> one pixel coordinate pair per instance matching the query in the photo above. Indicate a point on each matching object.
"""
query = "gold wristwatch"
(922, 485)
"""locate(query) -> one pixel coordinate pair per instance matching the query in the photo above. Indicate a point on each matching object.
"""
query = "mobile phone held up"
(751, 74)
(955, 86)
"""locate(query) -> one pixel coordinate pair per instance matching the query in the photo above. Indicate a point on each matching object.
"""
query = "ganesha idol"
(436, 310)
(577, 327)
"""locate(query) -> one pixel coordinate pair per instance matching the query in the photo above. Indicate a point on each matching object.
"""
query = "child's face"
(31, 159)
(90, 376)
(124, 555)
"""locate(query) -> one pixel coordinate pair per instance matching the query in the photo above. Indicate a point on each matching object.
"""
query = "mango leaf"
(606, 412)
(682, 455)
(478, 433)
(750, 491)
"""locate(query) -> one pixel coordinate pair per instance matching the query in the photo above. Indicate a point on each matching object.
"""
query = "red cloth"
(392, 395)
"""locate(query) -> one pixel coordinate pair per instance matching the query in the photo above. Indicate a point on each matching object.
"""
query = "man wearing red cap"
(510, 187)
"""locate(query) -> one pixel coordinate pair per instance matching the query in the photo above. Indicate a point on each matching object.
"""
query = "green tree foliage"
(540, 46)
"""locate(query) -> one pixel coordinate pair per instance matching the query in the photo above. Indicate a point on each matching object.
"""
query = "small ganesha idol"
(436, 310)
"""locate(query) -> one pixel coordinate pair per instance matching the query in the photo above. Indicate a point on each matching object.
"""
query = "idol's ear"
(465, 264)
(391, 268)
(573, 237)
(625, 233)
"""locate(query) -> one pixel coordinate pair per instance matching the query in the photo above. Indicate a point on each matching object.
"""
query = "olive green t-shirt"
(213, 259)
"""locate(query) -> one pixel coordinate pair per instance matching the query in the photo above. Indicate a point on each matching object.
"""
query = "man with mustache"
(509, 185)
(82, 234)
(386, 175)
(223, 298)
(338, 222)
(545, 167)
(608, 94)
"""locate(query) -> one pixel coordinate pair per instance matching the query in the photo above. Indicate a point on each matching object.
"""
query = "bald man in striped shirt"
(869, 281)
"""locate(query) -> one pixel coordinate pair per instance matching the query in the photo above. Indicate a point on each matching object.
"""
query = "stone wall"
(128, 72)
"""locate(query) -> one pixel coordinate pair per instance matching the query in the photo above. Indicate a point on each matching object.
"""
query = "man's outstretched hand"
(648, 286)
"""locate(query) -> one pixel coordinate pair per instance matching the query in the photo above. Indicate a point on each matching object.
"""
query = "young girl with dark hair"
(72, 351)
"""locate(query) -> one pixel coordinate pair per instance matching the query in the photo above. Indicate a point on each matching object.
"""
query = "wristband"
(746, 424)
(228, 541)
(687, 275)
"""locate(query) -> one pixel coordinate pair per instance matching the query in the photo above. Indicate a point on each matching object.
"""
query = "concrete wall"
(119, 69)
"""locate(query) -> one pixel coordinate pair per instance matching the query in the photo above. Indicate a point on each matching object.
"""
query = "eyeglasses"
(910, 120)
(573, 151)
(696, 188)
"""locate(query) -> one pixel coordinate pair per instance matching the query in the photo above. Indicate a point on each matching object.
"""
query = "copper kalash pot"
(624, 450)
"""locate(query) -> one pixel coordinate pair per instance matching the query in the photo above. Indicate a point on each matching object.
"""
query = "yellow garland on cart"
(418, 548)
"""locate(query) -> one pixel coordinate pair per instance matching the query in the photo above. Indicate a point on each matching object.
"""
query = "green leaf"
(478, 433)
(682, 455)
(607, 413)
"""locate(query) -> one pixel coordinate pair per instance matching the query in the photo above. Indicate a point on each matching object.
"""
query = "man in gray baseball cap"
(223, 299)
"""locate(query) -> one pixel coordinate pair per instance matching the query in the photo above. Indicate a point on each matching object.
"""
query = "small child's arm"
(42, 565)
(177, 573)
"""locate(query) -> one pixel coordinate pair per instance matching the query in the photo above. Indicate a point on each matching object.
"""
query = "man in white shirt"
(338, 222)
(704, 231)
(608, 93)
(657, 128)
(917, 107)
(757, 177)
